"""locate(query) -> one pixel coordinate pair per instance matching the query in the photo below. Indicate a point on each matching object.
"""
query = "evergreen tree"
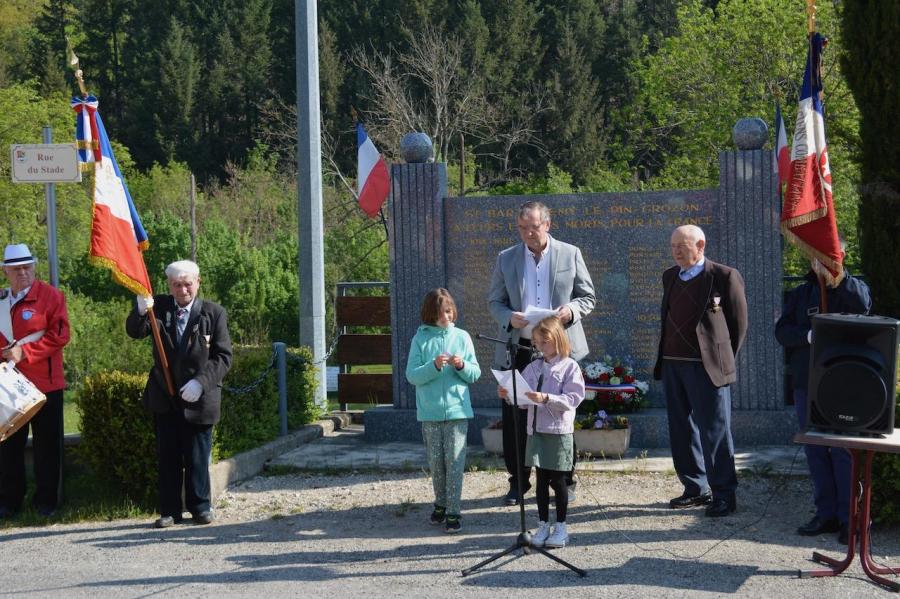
(146, 33)
(331, 75)
(573, 123)
(872, 54)
(178, 81)
(283, 46)
(515, 90)
(48, 45)
(251, 34)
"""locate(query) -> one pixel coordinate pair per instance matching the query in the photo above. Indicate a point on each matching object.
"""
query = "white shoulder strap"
(5, 319)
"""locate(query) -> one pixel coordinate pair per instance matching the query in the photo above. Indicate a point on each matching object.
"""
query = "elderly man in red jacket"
(34, 328)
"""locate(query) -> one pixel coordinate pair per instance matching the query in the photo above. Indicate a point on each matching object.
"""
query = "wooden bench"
(363, 349)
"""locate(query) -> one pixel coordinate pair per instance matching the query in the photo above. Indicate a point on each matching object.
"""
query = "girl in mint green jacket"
(441, 365)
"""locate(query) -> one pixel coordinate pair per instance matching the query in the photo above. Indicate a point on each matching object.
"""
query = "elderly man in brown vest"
(704, 322)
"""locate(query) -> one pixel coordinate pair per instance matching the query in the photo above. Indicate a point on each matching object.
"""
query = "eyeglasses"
(683, 244)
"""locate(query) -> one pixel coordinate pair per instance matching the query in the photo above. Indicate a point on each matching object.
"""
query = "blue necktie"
(180, 322)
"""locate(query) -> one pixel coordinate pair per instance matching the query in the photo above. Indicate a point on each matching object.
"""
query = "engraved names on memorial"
(624, 238)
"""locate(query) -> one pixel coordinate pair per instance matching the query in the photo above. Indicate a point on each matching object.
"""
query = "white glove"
(144, 303)
(191, 391)
(809, 336)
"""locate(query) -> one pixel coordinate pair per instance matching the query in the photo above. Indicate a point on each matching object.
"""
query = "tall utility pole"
(309, 189)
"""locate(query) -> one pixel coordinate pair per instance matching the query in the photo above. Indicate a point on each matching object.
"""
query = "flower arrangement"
(600, 420)
(610, 372)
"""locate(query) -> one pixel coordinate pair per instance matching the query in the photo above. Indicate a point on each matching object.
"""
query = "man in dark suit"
(704, 322)
(829, 466)
(198, 349)
(545, 273)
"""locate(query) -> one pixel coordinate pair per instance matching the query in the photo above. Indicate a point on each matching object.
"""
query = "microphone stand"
(523, 540)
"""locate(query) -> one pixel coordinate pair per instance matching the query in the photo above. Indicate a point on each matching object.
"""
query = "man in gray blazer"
(545, 273)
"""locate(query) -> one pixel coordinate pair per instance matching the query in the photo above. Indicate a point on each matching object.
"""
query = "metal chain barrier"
(259, 381)
(271, 366)
(336, 335)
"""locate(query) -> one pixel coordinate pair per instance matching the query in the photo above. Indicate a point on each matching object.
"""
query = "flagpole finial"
(72, 60)
(811, 16)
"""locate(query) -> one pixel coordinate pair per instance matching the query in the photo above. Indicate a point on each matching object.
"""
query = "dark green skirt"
(550, 452)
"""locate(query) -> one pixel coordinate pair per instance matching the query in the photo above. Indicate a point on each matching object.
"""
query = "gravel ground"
(365, 534)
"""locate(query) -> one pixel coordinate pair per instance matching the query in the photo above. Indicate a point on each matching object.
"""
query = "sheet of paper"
(504, 378)
(535, 315)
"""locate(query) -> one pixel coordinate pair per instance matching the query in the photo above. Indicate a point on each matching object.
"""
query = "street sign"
(44, 163)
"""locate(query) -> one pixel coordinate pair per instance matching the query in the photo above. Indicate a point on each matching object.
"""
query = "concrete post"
(309, 190)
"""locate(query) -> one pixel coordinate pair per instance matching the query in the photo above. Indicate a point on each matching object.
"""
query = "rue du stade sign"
(44, 163)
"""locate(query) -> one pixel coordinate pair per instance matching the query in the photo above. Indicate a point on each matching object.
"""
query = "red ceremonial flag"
(782, 152)
(117, 235)
(373, 181)
(807, 214)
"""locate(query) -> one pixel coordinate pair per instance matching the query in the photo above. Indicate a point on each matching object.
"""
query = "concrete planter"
(604, 442)
(492, 438)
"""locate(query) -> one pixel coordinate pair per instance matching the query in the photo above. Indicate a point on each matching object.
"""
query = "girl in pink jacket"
(558, 389)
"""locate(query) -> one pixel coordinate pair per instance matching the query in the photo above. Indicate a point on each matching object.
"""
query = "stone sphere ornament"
(416, 147)
(750, 133)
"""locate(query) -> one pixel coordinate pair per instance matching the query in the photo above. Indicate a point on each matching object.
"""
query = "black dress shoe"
(721, 506)
(818, 526)
(686, 500)
(203, 517)
(166, 521)
(512, 497)
(844, 534)
(46, 511)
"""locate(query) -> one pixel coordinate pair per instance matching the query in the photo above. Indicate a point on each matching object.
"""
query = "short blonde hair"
(551, 328)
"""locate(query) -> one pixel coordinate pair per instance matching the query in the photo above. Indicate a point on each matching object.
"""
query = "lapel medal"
(717, 299)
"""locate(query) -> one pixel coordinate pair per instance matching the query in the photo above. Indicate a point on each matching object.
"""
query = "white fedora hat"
(17, 254)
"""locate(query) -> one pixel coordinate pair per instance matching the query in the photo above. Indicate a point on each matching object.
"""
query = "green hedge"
(117, 439)
(886, 485)
(250, 419)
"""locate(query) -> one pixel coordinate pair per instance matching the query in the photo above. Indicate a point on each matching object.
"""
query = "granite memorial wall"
(437, 240)
(624, 238)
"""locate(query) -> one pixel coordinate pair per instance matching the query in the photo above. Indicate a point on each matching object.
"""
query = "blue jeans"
(829, 468)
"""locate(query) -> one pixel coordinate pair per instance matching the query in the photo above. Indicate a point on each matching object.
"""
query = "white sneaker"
(540, 535)
(559, 536)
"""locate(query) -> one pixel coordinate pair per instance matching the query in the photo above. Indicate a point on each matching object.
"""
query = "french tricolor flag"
(807, 212)
(117, 235)
(373, 180)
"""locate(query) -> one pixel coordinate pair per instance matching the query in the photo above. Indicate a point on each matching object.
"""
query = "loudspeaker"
(853, 373)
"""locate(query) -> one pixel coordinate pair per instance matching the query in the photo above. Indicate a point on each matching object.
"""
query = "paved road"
(362, 532)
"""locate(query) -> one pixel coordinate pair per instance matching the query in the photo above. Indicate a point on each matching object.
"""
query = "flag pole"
(163, 361)
(154, 326)
(811, 28)
(811, 16)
